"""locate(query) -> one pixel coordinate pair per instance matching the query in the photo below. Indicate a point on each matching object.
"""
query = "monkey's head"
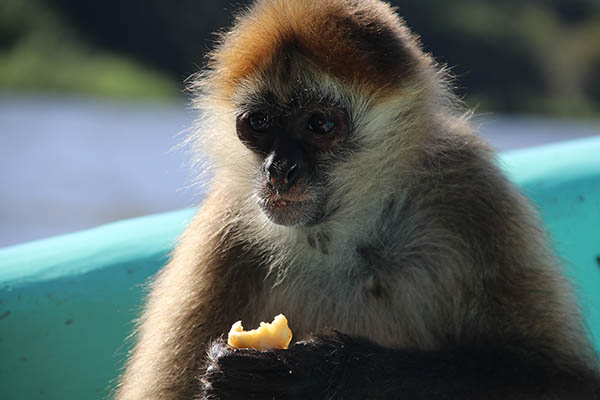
(308, 101)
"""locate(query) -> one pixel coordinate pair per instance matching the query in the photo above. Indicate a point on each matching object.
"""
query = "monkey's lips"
(290, 208)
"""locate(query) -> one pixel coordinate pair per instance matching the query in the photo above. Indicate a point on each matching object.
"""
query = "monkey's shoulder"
(462, 172)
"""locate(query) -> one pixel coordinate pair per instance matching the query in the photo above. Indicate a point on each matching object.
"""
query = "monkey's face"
(293, 144)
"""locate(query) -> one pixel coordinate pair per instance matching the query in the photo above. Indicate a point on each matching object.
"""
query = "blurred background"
(92, 99)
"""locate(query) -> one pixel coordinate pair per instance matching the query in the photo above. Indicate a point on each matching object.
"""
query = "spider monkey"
(350, 193)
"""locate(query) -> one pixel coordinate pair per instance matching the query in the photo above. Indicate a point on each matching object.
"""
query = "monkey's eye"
(321, 124)
(259, 121)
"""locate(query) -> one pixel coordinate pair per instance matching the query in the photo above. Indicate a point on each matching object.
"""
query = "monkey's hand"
(337, 366)
(304, 371)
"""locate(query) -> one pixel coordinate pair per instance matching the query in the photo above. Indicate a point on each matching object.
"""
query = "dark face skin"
(294, 145)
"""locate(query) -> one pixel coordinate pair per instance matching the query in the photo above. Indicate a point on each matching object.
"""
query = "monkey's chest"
(353, 299)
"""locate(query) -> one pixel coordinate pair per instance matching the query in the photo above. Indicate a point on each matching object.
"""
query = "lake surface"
(69, 163)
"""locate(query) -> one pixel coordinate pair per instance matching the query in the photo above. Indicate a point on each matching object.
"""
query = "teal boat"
(66, 303)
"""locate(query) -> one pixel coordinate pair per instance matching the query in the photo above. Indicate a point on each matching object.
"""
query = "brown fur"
(210, 281)
(426, 244)
(359, 41)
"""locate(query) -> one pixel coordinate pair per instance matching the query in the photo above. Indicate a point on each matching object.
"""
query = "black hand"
(340, 367)
(301, 372)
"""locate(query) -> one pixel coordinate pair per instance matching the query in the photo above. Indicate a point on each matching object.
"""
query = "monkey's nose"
(282, 176)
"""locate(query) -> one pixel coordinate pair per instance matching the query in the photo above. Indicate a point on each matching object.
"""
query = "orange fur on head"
(356, 41)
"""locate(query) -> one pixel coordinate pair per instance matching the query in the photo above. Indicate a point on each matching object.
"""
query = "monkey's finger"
(251, 360)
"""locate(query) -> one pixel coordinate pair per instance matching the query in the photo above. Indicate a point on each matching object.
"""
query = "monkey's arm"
(191, 303)
(340, 367)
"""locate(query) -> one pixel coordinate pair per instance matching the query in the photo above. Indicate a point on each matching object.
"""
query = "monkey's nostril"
(291, 174)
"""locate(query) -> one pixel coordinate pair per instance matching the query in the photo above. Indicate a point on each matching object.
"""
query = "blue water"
(70, 163)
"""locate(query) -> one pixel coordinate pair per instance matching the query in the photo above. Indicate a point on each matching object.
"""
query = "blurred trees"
(516, 56)
(538, 56)
(40, 50)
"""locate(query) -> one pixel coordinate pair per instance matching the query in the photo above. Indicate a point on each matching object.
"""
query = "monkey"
(350, 192)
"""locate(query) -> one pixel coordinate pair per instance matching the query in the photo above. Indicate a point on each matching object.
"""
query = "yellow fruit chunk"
(276, 335)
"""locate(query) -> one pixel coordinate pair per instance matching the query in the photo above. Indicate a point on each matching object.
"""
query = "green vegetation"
(535, 56)
(543, 60)
(45, 55)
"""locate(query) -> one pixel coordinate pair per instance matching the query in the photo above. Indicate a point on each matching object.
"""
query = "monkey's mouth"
(280, 203)
(290, 208)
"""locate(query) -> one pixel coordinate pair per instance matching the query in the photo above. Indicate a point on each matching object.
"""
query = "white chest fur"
(337, 287)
